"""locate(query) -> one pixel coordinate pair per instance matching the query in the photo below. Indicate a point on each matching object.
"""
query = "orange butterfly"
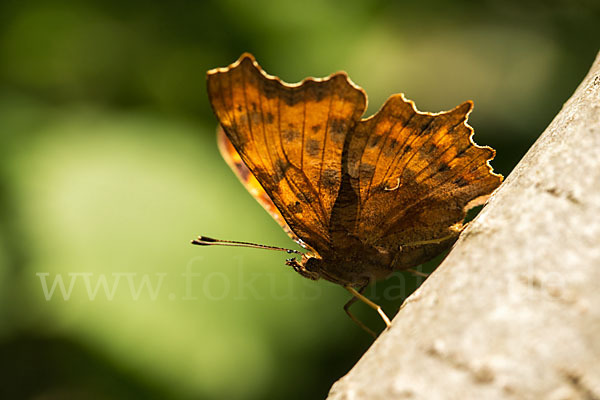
(364, 197)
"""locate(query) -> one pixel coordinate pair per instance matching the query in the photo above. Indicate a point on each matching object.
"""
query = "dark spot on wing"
(290, 135)
(391, 148)
(330, 178)
(428, 148)
(374, 140)
(281, 167)
(316, 91)
(315, 128)
(270, 118)
(337, 129)
(270, 88)
(444, 167)
(290, 96)
(313, 147)
(319, 92)
(243, 171)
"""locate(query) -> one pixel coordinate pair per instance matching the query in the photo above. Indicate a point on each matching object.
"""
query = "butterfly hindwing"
(416, 174)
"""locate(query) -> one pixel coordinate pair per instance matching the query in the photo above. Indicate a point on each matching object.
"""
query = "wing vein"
(400, 149)
(415, 151)
(249, 119)
(324, 144)
(232, 102)
(387, 136)
(262, 120)
(303, 127)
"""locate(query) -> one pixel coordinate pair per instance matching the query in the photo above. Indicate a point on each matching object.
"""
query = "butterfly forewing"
(291, 137)
(233, 159)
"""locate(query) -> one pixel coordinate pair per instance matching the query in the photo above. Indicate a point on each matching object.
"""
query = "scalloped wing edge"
(248, 56)
(480, 199)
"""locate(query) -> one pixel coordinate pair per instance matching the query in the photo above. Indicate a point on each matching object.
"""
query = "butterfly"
(363, 197)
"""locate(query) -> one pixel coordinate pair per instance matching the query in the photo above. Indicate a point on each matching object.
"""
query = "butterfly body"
(365, 197)
(362, 264)
(351, 269)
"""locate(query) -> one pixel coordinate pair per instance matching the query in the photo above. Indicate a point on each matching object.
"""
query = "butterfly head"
(307, 266)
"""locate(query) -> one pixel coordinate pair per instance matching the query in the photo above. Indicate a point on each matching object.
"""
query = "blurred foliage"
(109, 166)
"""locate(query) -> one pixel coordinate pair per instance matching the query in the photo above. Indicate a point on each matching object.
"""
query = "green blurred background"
(109, 167)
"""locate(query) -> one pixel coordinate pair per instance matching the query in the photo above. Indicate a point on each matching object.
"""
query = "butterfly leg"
(359, 296)
(353, 318)
(417, 273)
(431, 241)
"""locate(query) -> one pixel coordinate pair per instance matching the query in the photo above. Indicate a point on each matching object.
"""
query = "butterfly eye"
(311, 265)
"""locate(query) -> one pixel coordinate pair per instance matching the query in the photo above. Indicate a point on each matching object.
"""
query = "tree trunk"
(513, 312)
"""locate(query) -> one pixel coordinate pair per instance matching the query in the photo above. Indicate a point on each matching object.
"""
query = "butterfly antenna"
(208, 241)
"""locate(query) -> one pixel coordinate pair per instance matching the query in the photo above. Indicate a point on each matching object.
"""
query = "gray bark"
(513, 312)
